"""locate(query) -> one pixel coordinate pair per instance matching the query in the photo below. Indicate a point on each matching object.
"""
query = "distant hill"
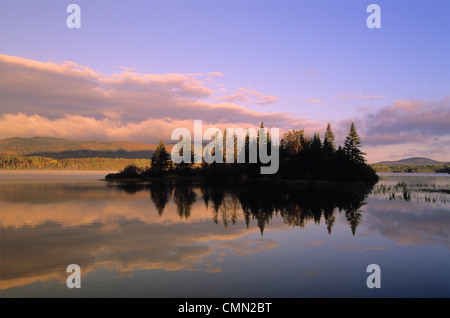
(59, 148)
(413, 161)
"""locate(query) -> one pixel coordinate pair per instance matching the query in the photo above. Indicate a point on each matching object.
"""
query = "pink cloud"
(351, 96)
(55, 90)
(411, 117)
(404, 129)
(312, 73)
(246, 96)
(110, 127)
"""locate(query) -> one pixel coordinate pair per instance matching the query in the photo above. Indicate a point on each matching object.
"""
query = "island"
(301, 157)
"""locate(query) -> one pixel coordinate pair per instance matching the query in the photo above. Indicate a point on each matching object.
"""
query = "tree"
(131, 171)
(291, 143)
(264, 142)
(316, 144)
(314, 156)
(352, 145)
(161, 160)
(328, 142)
(250, 143)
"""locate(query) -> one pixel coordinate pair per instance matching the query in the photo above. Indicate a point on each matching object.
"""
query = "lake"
(172, 239)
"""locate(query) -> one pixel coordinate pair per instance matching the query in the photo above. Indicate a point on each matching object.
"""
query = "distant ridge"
(59, 148)
(413, 161)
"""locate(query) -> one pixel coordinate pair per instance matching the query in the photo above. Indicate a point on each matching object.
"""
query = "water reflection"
(408, 222)
(418, 192)
(296, 203)
(181, 227)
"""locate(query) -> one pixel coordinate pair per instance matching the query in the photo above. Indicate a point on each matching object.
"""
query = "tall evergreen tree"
(314, 156)
(328, 142)
(261, 127)
(266, 142)
(161, 160)
(316, 143)
(352, 145)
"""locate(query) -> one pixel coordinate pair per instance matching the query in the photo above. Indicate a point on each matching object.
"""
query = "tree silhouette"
(301, 158)
(160, 194)
(184, 197)
(161, 160)
(297, 204)
(329, 142)
(353, 218)
(352, 145)
(132, 171)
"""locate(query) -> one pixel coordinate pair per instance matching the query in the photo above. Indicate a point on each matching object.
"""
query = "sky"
(136, 70)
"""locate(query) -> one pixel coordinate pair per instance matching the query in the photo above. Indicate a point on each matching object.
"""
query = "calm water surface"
(179, 240)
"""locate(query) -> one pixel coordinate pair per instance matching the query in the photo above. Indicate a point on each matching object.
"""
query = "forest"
(15, 162)
(301, 157)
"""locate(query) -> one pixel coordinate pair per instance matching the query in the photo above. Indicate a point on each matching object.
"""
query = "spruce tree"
(352, 145)
(161, 160)
(328, 142)
(316, 146)
(266, 141)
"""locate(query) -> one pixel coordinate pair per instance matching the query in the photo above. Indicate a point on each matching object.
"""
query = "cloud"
(55, 90)
(409, 118)
(74, 101)
(405, 129)
(52, 89)
(71, 100)
(246, 96)
(352, 96)
(211, 77)
(111, 127)
(312, 73)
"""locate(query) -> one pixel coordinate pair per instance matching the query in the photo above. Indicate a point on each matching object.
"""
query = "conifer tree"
(316, 144)
(161, 160)
(328, 142)
(266, 141)
(352, 145)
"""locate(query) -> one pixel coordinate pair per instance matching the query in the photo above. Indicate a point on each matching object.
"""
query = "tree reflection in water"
(296, 202)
